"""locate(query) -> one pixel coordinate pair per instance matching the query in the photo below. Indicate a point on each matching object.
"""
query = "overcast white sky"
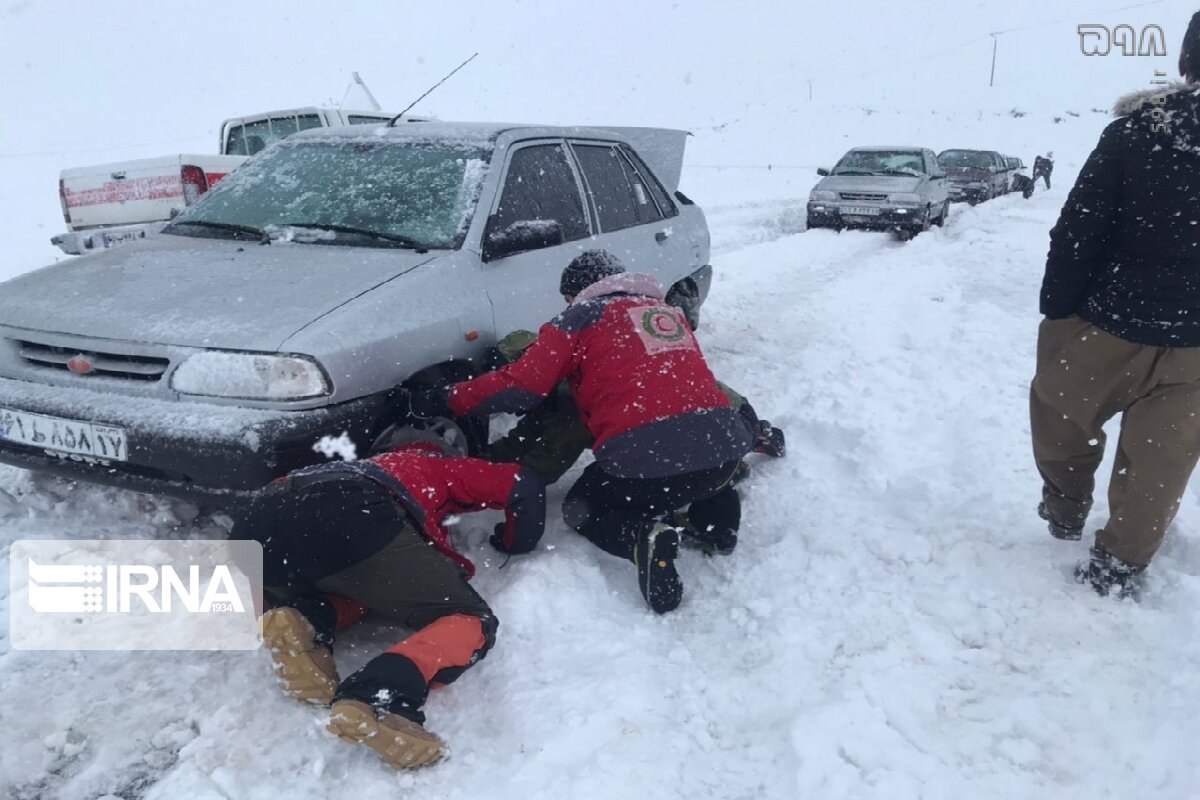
(86, 82)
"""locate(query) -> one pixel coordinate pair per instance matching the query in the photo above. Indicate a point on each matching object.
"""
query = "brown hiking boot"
(304, 668)
(400, 742)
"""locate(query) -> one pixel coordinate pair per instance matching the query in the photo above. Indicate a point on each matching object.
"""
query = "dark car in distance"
(975, 175)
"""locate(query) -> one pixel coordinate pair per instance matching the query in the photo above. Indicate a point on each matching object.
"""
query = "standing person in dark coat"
(665, 435)
(1043, 166)
(1121, 297)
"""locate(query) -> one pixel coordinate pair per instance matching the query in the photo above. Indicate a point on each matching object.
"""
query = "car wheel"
(685, 296)
(941, 220)
(457, 437)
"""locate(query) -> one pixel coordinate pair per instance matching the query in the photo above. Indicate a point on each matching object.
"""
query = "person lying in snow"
(550, 438)
(344, 538)
(665, 435)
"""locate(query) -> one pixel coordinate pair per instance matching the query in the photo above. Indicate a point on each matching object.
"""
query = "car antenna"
(392, 122)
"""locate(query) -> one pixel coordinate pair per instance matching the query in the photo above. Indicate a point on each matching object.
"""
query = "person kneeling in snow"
(665, 435)
(550, 438)
(343, 538)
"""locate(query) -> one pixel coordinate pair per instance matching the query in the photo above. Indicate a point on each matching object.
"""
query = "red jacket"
(432, 487)
(642, 385)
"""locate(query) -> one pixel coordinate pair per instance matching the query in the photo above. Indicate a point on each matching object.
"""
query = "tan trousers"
(1085, 377)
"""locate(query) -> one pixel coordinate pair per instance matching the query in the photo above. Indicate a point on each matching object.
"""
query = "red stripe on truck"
(159, 187)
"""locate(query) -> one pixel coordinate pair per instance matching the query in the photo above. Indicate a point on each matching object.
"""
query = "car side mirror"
(520, 237)
(824, 173)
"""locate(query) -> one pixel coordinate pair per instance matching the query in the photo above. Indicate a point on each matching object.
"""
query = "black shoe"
(711, 542)
(1109, 575)
(769, 440)
(654, 554)
(1057, 529)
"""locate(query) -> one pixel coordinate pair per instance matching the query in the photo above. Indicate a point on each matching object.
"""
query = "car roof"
(889, 148)
(483, 134)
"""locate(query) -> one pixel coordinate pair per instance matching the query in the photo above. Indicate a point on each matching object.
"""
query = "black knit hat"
(587, 268)
(1191, 48)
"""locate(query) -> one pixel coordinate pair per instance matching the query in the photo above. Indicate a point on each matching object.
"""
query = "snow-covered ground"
(895, 623)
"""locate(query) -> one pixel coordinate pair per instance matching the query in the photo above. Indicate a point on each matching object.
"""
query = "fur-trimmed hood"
(1176, 116)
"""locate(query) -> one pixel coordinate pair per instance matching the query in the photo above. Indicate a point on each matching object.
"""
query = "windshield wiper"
(852, 172)
(393, 238)
(248, 230)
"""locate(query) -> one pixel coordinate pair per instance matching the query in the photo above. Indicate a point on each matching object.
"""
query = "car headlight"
(250, 376)
(821, 196)
(908, 198)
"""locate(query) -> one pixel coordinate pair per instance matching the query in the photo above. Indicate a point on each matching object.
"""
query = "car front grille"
(864, 197)
(114, 365)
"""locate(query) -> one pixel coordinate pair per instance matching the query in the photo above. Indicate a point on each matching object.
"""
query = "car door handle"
(661, 236)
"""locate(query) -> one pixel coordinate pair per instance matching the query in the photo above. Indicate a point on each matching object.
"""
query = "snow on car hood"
(870, 184)
(197, 292)
(964, 174)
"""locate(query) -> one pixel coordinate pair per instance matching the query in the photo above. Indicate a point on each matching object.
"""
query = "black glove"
(496, 540)
(430, 403)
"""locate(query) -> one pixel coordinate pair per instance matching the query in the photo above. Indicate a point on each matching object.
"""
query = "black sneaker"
(654, 554)
(711, 542)
(1109, 575)
(769, 440)
(1057, 529)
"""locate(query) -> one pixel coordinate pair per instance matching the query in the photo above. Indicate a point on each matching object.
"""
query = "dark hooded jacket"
(1125, 254)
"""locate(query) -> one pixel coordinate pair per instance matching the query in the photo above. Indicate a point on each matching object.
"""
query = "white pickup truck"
(108, 204)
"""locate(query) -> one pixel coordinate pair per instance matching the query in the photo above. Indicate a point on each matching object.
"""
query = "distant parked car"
(975, 175)
(306, 293)
(902, 189)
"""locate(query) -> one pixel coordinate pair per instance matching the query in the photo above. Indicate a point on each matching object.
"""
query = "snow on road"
(895, 624)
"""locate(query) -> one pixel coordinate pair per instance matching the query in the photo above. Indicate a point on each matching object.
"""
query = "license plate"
(860, 211)
(114, 239)
(69, 436)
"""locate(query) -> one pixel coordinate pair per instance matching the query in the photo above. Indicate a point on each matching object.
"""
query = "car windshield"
(880, 162)
(965, 159)
(363, 192)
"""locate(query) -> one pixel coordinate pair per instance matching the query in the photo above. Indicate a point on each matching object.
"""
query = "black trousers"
(611, 512)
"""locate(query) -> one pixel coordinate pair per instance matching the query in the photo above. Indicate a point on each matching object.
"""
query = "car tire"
(685, 296)
(941, 220)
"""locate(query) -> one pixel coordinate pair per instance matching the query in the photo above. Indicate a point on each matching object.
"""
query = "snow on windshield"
(410, 190)
(880, 162)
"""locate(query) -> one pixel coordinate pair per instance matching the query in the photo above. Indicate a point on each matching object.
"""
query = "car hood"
(870, 184)
(964, 174)
(196, 292)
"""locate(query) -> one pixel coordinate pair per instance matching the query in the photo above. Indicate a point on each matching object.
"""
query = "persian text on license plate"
(64, 435)
(860, 211)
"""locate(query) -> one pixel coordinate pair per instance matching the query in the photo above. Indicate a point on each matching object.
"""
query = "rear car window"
(250, 138)
(619, 195)
(657, 192)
